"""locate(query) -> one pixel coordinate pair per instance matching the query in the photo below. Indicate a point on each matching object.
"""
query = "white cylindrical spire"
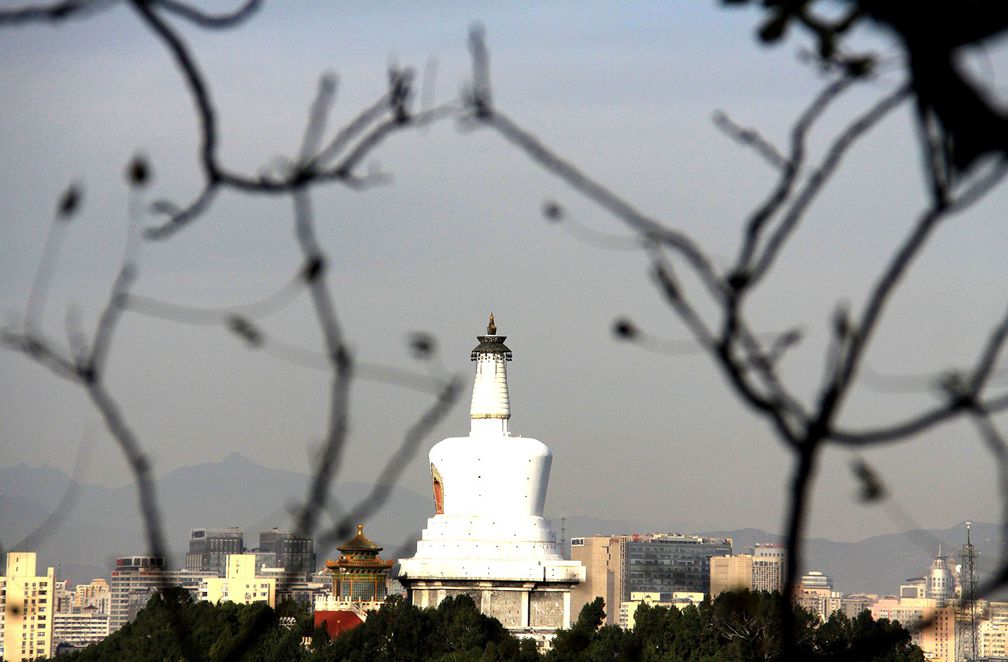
(491, 405)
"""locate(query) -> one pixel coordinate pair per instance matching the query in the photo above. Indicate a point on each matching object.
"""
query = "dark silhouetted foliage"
(214, 633)
(399, 632)
(734, 627)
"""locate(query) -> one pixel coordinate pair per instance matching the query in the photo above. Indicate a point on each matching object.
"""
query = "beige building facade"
(992, 637)
(240, 583)
(937, 639)
(628, 608)
(96, 595)
(602, 557)
(27, 605)
(762, 570)
(731, 573)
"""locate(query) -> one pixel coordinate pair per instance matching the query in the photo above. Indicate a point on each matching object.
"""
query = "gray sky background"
(627, 95)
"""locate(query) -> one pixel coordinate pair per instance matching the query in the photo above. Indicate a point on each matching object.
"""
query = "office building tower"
(768, 567)
(731, 573)
(667, 563)
(134, 580)
(95, 596)
(209, 549)
(602, 558)
(295, 554)
(661, 563)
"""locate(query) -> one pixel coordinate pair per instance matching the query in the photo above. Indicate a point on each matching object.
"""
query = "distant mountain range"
(103, 523)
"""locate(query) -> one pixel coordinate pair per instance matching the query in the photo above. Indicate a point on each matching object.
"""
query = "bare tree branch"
(203, 19)
(52, 12)
(789, 173)
(395, 465)
(821, 175)
(751, 138)
(341, 360)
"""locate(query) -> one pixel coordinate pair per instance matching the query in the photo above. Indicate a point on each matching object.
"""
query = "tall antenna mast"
(966, 641)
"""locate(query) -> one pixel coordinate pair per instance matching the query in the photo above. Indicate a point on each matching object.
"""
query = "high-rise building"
(134, 580)
(731, 573)
(992, 637)
(768, 567)
(931, 627)
(667, 563)
(662, 563)
(761, 569)
(295, 554)
(602, 557)
(855, 603)
(488, 538)
(940, 582)
(915, 587)
(815, 593)
(63, 597)
(78, 629)
(27, 605)
(95, 595)
(240, 583)
(190, 580)
(209, 549)
(268, 539)
(814, 579)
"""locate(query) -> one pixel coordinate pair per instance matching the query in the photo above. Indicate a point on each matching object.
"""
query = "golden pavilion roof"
(359, 543)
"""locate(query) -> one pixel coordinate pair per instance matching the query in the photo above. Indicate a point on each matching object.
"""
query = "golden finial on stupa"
(491, 327)
(360, 529)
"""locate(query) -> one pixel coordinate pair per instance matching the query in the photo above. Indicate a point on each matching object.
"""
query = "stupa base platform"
(535, 609)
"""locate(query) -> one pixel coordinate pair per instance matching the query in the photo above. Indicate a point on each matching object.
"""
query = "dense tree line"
(173, 627)
(734, 627)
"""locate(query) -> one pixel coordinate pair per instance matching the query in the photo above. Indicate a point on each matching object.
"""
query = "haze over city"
(638, 435)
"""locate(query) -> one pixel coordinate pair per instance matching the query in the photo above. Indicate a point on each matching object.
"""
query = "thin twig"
(216, 21)
(751, 138)
(52, 12)
(395, 465)
(268, 305)
(341, 361)
(605, 198)
(789, 173)
(820, 176)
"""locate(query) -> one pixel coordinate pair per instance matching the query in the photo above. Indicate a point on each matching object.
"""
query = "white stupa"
(488, 538)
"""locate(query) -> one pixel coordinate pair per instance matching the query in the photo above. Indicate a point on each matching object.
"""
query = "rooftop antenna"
(563, 533)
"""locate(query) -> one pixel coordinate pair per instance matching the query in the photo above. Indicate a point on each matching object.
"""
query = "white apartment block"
(80, 629)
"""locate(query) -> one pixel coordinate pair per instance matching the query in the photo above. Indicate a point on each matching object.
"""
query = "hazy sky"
(627, 95)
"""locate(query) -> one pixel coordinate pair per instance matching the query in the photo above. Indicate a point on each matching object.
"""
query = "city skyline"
(76, 617)
(630, 99)
(96, 531)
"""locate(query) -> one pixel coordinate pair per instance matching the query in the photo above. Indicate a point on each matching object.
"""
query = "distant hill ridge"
(104, 523)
